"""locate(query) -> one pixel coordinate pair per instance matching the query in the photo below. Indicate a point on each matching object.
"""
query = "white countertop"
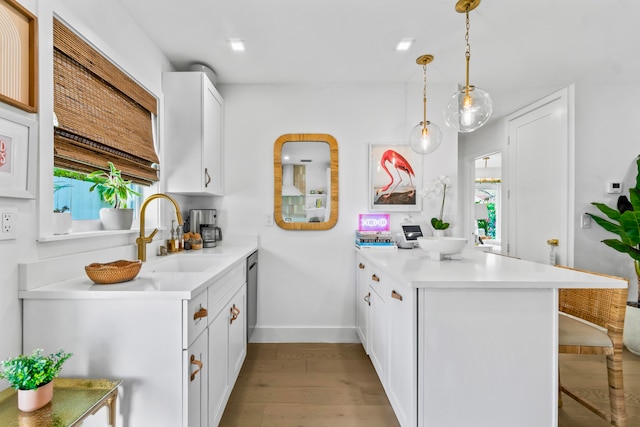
(149, 284)
(477, 270)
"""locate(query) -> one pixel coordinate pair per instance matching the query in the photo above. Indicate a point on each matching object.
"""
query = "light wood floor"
(308, 385)
(586, 375)
(335, 385)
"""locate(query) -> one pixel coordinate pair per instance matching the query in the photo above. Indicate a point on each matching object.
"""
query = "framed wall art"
(18, 140)
(395, 172)
(18, 56)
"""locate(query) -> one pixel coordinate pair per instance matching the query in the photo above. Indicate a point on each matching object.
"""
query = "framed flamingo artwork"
(395, 172)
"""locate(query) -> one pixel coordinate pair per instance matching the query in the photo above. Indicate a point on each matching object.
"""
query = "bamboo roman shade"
(103, 115)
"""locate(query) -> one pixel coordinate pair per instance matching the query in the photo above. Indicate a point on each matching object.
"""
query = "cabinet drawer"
(220, 291)
(196, 317)
(376, 282)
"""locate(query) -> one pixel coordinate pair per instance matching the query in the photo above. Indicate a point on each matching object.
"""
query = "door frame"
(567, 96)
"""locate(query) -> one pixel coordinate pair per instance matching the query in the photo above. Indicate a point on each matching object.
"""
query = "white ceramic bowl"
(438, 246)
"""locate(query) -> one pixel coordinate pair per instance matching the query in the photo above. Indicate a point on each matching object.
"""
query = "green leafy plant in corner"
(623, 220)
(113, 188)
(30, 372)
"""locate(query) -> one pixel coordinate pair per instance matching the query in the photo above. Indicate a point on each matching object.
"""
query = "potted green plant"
(62, 219)
(115, 190)
(624, 220)
(433, 188)
(32, 376)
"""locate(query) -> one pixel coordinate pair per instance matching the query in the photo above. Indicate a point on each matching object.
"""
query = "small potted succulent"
(115, 190)
(32, 376)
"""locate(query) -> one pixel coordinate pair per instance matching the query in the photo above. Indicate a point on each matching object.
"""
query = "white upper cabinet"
(192, 162)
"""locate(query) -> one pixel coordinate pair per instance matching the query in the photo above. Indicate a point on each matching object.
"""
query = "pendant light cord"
(467, 52)
(424, 97)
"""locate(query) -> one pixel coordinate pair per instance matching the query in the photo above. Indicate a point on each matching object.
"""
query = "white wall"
(605, 150)
(606, 146)
(306, 278)
(111, 30)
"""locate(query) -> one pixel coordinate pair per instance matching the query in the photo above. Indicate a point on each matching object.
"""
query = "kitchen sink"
(181, 264)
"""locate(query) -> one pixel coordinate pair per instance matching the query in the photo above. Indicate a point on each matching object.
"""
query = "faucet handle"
(153, 233)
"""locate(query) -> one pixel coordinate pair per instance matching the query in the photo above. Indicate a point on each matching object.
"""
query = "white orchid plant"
(433, 188)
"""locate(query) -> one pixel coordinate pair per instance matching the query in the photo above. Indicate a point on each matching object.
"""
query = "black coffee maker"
(204, 221)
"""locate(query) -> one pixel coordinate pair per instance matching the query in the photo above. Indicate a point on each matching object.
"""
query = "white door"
(540, 175)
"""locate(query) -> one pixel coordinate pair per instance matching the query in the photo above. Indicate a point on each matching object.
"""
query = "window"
(102, 116)
(71, 194)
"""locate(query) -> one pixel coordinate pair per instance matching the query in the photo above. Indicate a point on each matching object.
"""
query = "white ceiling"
(515, 44)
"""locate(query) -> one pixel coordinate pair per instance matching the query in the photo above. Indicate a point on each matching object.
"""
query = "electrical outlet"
(269, 219)
(9, 222)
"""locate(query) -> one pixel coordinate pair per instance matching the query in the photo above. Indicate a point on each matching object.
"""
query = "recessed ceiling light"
(404, 44)
(237, 45)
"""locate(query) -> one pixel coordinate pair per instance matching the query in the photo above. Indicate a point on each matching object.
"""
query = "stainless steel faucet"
(142, 240)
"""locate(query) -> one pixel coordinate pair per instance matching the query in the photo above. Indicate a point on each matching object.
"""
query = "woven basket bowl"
(113, 272)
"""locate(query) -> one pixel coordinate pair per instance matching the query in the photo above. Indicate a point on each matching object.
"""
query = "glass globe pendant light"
(470, 107)
(426, 137)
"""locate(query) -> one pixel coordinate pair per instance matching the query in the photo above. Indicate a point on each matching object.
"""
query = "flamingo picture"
(401, 165)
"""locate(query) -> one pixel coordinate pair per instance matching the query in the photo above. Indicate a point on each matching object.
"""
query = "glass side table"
(74, 399)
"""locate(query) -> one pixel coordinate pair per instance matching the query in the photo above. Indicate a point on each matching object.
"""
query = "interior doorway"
(487, 203)
(488, 197)
(540, 213)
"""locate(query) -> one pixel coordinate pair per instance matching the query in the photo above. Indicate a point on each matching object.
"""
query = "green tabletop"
(73, 400)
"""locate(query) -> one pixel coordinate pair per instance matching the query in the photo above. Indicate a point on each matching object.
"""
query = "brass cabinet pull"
(361, 266)
(208, 180)
(367, 298)
(396, 295)
(198, 363)
(375, 278)
(234, 313)
(200, 313)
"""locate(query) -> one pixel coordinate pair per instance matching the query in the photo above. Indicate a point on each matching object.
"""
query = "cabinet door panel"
(192, 161)
(237, 332)
(196, 379)
(212, 148)
(402, 366)
(218, 366)
(378, 335)
(363, 296)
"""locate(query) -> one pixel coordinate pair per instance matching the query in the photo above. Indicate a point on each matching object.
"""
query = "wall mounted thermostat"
(614, 187)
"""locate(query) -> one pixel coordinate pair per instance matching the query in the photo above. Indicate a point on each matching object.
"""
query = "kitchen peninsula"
(464, 342)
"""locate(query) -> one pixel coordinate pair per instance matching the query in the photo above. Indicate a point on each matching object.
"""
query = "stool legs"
(616, 390)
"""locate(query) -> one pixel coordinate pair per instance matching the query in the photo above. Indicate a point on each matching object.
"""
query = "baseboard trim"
(304, 334)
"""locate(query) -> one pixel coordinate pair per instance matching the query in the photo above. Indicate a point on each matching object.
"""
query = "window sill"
(85, 235)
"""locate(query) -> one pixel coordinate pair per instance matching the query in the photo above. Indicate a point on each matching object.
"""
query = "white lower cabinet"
(196, 388)
(227, 351)
(178, 359)
(386, 324)
(237, 333)
(377, 339)
(402, 378)
(363, 302)
(218, 366)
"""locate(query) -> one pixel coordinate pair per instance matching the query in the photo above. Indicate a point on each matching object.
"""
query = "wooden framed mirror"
(305, 172)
